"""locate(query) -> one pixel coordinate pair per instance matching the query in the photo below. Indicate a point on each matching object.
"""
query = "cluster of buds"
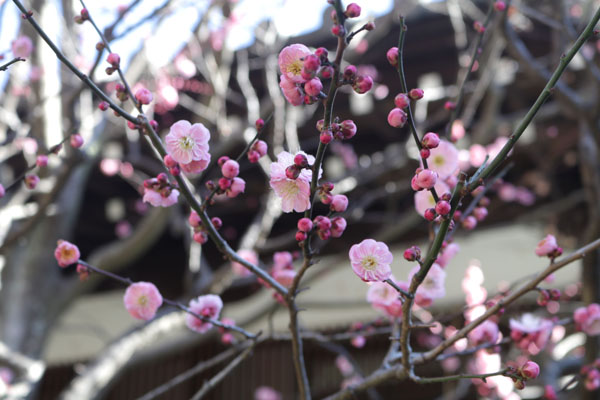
(592, 375)
(413, 253)
(398, 117)
(324, 192)
(352, 11)
(159, 191)
(114, 60)
(325, 227)
(430, 141)
(121, 92)
(337, 130)
(587, 319)
(547, 295)
(300, 162)
(423, 179)
(257, 150)
(83, 16)
(442, 208)
(200, 231)
(172, 165)
(360, 83)
(230, 183)
(227, 337)
(529, 370)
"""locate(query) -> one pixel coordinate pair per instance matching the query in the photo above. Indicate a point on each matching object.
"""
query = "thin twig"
(8, 64)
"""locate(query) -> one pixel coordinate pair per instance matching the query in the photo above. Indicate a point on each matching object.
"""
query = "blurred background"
(215, 62)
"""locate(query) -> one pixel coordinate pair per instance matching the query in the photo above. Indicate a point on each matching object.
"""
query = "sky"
(292, 17)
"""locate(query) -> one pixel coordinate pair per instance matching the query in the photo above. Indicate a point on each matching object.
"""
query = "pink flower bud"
(224, 183)
(353, 10)
(114, 60)
(326, 72)
(194, 219)
(349, 72)
(500, 6)
(416, 94)
(543, 298)
(414, 185)
(480, 213)
(253, 156)
(348, 128)
(300, 160)
(305, 225)
(413, 253)
(338, 226)
(324, 235)
(427, 178)
(442, 207)
(260, 147)
(143, 96)
(76, 140)
(31, 181)
(339, 203)
(392, 56)
(216, 222)
(338, 30)
(41, 160)
(103, 105)
(321, 52)
(369, 26)
(301, 236)
(401, 100)
(222, 160)
(2, 191)
(292, 172)
(66, 253)
(326, 137)
(311, 63)
(322, 223)
(259, 124)
(313, 87)
(450, 105)
(546, 247)
(429, 214)
(424, 153)
(237, 186)
(431, 140)
(397, 118)
(469, 223)
(200, 237)
(363, 84)
(530, 370)
(230, 169)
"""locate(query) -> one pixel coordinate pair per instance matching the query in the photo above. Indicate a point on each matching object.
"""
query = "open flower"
(291, 61)
(587, 319)
(291, 91)
(66, 253)
(385, 298)
(433, 286)
(163, 198)
(142, 299)
(186, 142)
(209, 306)
(294, 193)
(371, 260)
(547, 246)
(443, 159)
(248, 255)
(21, 47)
(530, 332)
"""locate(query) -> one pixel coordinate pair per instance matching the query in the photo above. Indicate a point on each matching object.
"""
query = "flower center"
(67, 253)
(295, 67)
(369, 263)
(142, 300)
(186, 143)
(438, 160)
(291, 189)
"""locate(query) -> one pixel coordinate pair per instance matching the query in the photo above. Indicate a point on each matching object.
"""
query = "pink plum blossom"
(443, 159)
(248, 255)
(208, 306)
(587, 319)
(530, 370)
(142, 299)
(21, 47)
(547, 246)
(371, 260)
(66, 253)
(195, 167)
(294, 193)
(486, 332)
(385, 298)
(162, 198)
(433, 286)
(186, 142)
(291, 61)
(143, 96)
(530, 332)
(291, 91)
(447, 254)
